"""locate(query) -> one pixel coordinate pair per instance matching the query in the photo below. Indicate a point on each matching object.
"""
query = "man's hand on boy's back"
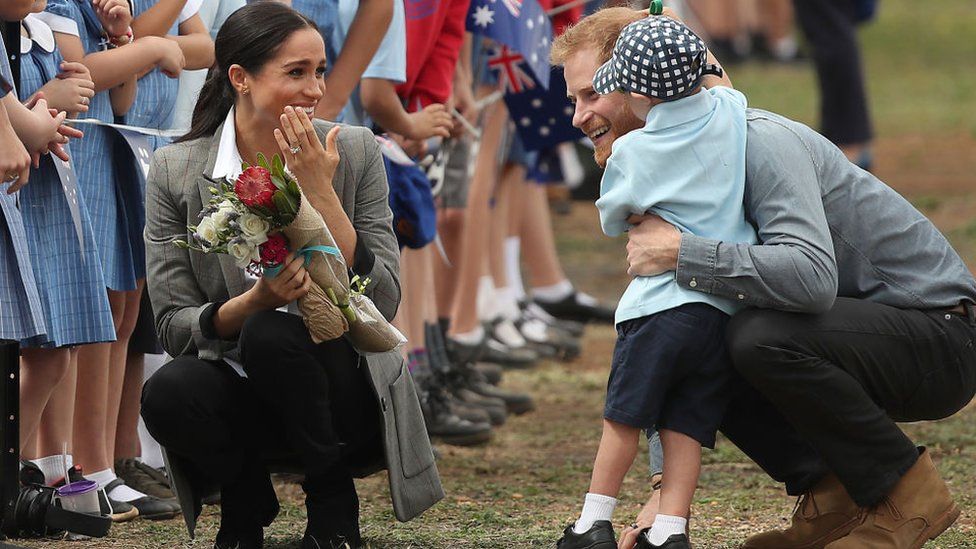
(652, 246)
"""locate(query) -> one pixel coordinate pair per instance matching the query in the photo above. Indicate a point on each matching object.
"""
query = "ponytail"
(250, 37)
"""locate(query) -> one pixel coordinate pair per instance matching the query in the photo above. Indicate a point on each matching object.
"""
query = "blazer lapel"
(233, 275)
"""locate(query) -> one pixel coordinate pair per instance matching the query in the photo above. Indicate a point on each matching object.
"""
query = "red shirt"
(435, 31)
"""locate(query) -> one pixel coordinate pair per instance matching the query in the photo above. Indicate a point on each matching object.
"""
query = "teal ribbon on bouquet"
(306, 252)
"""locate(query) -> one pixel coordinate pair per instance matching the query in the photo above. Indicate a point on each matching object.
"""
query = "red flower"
(255, 188)
(274, 251)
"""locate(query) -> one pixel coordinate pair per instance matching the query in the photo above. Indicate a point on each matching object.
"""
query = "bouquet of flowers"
(262, 215)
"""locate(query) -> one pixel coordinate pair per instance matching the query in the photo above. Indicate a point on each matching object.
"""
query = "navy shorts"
(671, 371)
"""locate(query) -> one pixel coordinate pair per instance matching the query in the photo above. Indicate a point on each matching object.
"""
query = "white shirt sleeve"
(191, 8)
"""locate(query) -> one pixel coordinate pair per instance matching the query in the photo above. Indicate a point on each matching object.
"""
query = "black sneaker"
(674, 541)
(491, 372)
(148, 507)
(579, 307)
(445, 425)
(599, 536)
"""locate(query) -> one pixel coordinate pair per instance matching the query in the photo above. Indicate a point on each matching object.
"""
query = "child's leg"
(618, 447)
(682, 465)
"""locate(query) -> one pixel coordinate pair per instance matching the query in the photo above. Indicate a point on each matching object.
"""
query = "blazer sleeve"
(180, 305)
(377, 253)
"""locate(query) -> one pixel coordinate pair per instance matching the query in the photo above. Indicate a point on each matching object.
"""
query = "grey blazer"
(183, 283)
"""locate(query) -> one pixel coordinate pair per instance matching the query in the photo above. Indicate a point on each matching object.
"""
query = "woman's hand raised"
(311, 163)
(291, 283)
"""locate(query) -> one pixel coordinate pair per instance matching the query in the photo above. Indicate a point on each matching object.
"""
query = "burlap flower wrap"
(330, 308)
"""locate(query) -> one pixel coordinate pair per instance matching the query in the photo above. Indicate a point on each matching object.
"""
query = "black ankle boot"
(333, 511)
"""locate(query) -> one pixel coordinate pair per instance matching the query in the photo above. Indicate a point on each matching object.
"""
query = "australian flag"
(521, 25)
(543, 117)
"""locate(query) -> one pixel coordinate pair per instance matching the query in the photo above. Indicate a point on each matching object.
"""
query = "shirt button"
(693, 283)
(741, 296)
(948, 316)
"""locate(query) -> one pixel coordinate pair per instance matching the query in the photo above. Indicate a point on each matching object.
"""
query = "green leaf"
(277, 167)
(244, 165)
(263, 161)
(278, 182)
(293, 188)
(281, 202)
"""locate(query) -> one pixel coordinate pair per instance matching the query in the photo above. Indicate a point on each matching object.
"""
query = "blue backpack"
(414, 214)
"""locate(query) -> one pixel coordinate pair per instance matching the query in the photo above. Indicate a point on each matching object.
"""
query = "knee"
(753, 337)
(449, 219)
(164, 400)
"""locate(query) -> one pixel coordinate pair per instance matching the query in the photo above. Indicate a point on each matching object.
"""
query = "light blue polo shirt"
(687, 165)
(389, 62)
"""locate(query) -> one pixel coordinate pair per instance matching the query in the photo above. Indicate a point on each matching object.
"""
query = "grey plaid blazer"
(183, 283)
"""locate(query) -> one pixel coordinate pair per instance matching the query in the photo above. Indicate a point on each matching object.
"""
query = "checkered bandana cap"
(657, 57)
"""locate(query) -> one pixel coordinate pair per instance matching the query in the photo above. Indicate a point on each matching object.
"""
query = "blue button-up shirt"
(687, 165)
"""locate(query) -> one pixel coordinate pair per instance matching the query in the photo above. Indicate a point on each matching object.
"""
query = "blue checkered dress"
(115, 203)
(20, 306)
(69, 279)
(156, 93)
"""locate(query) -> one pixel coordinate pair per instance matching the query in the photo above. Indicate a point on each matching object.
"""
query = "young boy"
(670, 370)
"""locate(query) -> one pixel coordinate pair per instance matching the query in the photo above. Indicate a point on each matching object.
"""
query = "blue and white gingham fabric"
(21, 314)
(110, 199)
(155, 93)
(657, 57)
(69, 280)
(5, 69)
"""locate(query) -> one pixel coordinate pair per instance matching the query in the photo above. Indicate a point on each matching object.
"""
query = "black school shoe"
(674, 541)
(573, 307)
(599, 536)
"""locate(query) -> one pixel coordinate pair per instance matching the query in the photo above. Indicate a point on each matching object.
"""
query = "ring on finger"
(11, 177)
(84, 100)
(295, 149)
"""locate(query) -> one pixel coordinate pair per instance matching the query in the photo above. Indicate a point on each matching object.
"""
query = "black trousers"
(823, 392)
(829, 26)
(303, 402)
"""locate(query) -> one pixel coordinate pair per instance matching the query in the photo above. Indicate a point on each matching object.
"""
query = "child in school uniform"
(100, 37)
(670, 370)
(63, 256)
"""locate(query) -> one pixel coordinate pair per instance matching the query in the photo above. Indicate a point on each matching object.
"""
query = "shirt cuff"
(207, 327)
(363, 259)
(696, 263)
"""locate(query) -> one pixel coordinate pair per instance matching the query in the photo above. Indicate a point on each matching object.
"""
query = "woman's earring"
(245, 90)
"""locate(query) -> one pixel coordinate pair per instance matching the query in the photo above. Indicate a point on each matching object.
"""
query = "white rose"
(255, 228)
(242, 252)
(207, 232)
(225, 212)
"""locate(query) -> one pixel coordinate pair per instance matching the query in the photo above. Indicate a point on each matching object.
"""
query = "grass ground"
(520, 490)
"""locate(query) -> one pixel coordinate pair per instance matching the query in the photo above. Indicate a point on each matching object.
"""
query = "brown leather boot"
(917, 509)
(822, 515)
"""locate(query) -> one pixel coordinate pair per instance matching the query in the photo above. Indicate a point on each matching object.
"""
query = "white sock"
(470, 338)
(506, 303)
(595, 507)
(486, 299)
(52, 467)
(664, 527)
(513, 269)
(119, 493)
(554, 292)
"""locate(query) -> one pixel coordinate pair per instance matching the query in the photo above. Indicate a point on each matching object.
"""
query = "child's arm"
(38, 128)
(123, 96)
(363, 39)
(383, 104)
(464, 88)
(157, 20)
(111, 68)
(15, 160)
(71, 91)
(194, 39)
